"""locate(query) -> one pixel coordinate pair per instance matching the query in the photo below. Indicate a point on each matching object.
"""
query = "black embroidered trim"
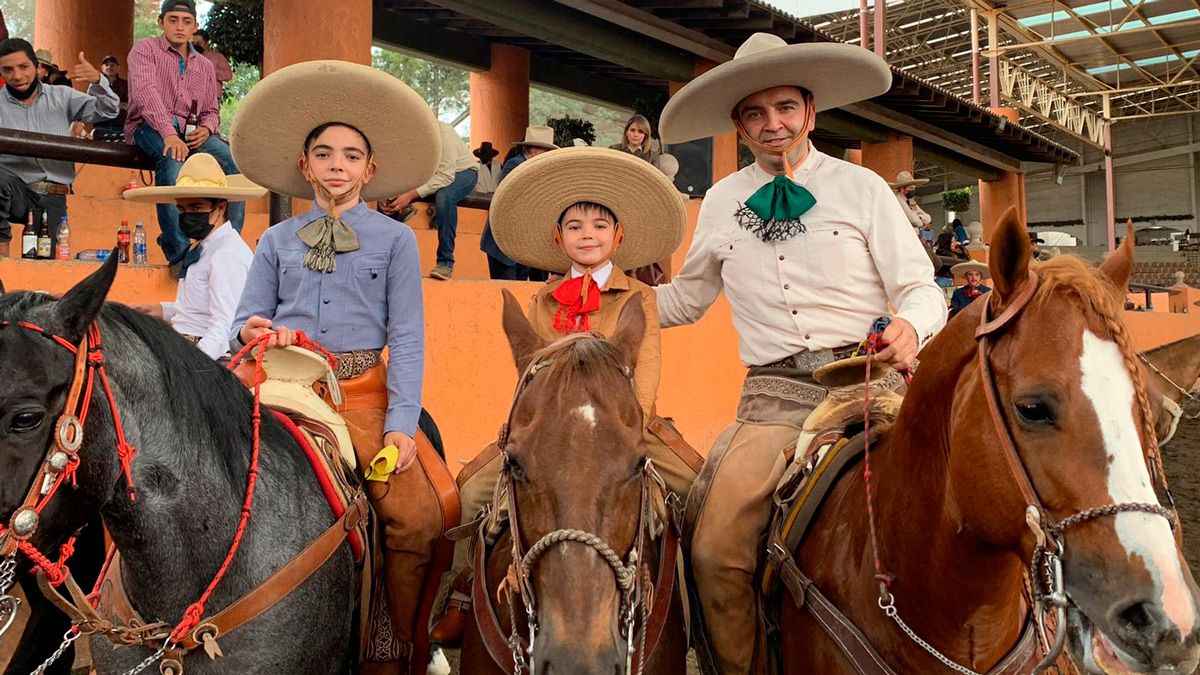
(767, 230)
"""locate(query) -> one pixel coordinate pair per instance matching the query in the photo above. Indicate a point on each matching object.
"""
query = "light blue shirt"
(372, 300)
(52, 112)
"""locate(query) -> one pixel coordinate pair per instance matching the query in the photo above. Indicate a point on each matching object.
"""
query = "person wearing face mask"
(30, 184)
(207, 297)
(809, 250)
(905, 188)
(349, 277)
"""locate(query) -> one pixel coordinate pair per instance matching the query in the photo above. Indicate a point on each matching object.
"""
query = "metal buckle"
(70, 433)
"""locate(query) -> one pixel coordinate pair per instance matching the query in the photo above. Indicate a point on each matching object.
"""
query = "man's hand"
(153, 309)
(175, 148)
(257, 326)
(407, 447)
(901, 350)
(197, 137)
(388, 206)
(84, 71)
(400, 203)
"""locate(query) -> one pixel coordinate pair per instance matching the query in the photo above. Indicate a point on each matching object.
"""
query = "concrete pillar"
(725, 146)
(500, 99)
(996, 196)
(854, 156)
(289, 37)
(67, 27)
(889, 157)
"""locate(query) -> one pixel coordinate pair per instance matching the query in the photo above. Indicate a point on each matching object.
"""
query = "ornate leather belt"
(355, 363)
(808, 361)
(45, 187)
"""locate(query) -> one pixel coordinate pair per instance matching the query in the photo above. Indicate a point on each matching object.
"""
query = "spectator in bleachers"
(635, 139)
(48, 71)
(974, 272)
(489, 168)
(221, 66)
(42, 185)
(169, 79)
(114, 129)
(538, 139)
(454, 179)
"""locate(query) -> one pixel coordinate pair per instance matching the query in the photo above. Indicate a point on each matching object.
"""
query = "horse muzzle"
(1144, 641)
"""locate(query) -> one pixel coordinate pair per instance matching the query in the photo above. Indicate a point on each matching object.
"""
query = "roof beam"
(427, 41)
(919, 129)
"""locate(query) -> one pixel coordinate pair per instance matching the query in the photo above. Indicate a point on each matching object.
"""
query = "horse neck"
(1179, 361)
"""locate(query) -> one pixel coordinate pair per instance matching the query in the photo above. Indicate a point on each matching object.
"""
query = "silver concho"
(70, 433)
(25, 522)
(58, 461)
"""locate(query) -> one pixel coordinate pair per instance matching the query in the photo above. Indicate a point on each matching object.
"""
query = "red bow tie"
(575, 303)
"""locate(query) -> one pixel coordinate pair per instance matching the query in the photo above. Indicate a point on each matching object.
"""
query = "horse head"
(1068, 395)
(575, 461)
(36, 373)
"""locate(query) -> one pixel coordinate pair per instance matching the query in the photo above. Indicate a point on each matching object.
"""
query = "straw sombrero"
(538, 137)
(837, 74)
(279, 112)
(200, 176)
(905, 179)
(526, 206)
(971, 266)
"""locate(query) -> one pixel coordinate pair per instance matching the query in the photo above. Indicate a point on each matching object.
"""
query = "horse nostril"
(1144, 622)
(1136, 617)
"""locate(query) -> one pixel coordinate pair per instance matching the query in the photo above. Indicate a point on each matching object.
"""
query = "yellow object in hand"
(383, 464)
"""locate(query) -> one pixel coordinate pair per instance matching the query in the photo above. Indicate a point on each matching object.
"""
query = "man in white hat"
(349, 277)
(207, 297)
(973, 272)
(538, 139)
(905, 188)
(809, 250)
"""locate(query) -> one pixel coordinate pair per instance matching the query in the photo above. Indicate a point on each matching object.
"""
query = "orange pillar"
(500, 99)
(889, 157)
(996, 196)
(288, 35)
(854, 156)
(67, 27)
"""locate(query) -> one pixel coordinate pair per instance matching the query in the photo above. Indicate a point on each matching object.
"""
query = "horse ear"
(1009, 256)
(1119, 264)
(80, 306)
(631, 328)
(522, 338)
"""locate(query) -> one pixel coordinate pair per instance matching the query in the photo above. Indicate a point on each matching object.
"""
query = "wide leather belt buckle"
(809, 361)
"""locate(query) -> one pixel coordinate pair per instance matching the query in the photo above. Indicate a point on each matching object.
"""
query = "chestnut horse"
(1174, 368)
(581, 509)
(1070, 441)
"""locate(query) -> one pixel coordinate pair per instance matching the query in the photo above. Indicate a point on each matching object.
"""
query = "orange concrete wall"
(67, 27)
(302, 30)
(889, 157)
(500, 99)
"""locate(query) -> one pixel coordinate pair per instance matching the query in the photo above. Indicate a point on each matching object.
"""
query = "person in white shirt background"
(809, 250)
(905, 189)
(207, 297)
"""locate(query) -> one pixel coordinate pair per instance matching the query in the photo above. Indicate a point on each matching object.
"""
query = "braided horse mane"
(1102, 302)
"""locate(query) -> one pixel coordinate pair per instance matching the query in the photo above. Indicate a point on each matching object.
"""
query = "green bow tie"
(775, 209)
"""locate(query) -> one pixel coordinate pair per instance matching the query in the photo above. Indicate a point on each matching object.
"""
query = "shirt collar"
(600, 276)
(219, 232)
(165, 44)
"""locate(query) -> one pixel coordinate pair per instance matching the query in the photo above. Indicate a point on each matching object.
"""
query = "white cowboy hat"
(904, 179)
(527, 205)
(962, 268)
(837, 74)
(279, 112)
(539, 137)
(200, 176)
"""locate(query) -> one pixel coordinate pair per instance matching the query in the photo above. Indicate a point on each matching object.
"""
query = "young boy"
(587, 214)
(349, 277)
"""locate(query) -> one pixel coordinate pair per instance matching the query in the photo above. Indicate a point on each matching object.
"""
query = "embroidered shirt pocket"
(294, 279)
(369, 273)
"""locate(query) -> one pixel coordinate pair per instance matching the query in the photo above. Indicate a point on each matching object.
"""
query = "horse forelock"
(585, 362)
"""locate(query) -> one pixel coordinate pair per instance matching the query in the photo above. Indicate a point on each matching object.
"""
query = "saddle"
(291, 373)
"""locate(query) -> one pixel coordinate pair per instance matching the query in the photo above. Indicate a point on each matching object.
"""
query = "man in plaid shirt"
(167, 77)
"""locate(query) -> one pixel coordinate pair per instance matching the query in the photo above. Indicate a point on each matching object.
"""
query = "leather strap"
(664, 590)
(671, 437)
(485, 613)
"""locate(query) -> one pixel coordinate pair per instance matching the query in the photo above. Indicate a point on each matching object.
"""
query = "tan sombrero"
(200, 176)
(905, 179)
(837, 74)
(279, 112)
(539, 137)
(962, 268)
(526, 206)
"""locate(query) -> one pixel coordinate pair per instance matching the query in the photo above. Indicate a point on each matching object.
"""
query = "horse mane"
(581, 361)
(1101, 302)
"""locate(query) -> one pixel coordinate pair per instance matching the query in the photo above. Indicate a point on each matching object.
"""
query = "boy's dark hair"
(587, 207)
(320, 129)
(202, 33)
(14, 45)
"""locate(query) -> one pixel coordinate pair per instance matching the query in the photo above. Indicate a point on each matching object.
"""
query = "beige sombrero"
(539, 137)
(200, 176)
(837, 74)
(279, 112)
(905, 179)
(528, 203)
(971, 266)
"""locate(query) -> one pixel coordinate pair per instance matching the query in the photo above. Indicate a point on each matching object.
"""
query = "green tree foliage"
(444, 88)
(608, 122)
(18, 16)
(235, 28)
(566, 129)
(145, 19)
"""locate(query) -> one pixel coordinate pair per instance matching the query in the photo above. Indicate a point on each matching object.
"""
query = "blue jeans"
(174, 245)
(446, 219)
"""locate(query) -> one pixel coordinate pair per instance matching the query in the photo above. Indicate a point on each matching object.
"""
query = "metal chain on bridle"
(1184, 393)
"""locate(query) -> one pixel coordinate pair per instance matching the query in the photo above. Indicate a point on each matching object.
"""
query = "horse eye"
(514, 469)
(1035, 412)
(23, 422)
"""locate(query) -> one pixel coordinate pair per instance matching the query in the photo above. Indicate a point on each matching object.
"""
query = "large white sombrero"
(539, 137)
(527, 205)
(837, 74)
(200, 176)
(962, 268)
(279, 112)
(905, 179)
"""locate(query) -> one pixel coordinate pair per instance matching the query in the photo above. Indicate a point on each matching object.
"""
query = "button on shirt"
(372, 300)
(162, 86)
(818, 290)
(53, 111)
(207, 297)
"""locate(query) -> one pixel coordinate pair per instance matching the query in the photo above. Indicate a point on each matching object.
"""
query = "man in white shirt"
(451, 183)
(208, 294)
(489, 168)
(905, 188)
(809, 250)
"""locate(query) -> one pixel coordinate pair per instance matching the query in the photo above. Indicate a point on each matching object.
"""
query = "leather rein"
(645, 603)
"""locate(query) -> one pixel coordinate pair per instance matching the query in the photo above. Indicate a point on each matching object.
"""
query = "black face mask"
(195, 225)
(198, 48)
(23, 95)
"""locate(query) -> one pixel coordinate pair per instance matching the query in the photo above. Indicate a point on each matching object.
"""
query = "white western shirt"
(818, 290)
(207, 298)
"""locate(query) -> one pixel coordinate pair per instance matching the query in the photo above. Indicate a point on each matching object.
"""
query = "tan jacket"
(616, 292)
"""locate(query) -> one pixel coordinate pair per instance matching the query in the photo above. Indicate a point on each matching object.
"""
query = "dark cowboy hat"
(485, 152)
(1034, 238)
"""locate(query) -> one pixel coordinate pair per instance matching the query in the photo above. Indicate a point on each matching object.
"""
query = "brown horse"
(1070, 441)
(581, 509)
(1173, 368)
